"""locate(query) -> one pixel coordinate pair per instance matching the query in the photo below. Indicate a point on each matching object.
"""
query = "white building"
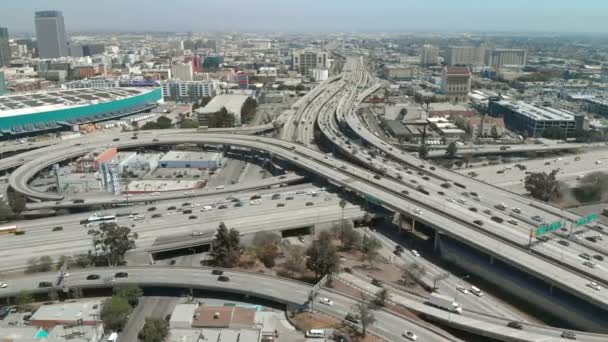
(498, 58)
(197, 160)
(181, 317)
(92, 83)
(189, 90)
(182, 71)
(429, 55)
(232, 102)
(465, 55)
(320, 75)
(267, 72)
(304, 61)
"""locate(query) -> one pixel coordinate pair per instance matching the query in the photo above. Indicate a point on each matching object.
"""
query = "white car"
(462, 289)
(409, 335)
(592, 285)
(418, 211)
(326, 301)
(3, 285)
(197, 233)
(415, 253)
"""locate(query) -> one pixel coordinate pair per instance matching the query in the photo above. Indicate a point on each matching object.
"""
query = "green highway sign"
(588, 219)
(557, 225)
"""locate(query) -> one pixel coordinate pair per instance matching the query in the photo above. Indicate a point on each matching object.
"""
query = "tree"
(403, 113)
(554, 133)
(294, 259)
(348, 236)
(24, 298)
(592, 187)
(64, 260)
(541, 185)
(131, 292)
(451, 151)
(112, 242)
(154, 330)
(115, 312)
(18, 203)
(248, 110)
(188, 123)
(322, 256)
(266, 246)
(364, 310)
(163, 122)
(6, 213)
(42, 264)
(149, 125)
(225, 248)
(381, 298)
(221, 118)
(413, 273)
(370, 247)
(423, 151)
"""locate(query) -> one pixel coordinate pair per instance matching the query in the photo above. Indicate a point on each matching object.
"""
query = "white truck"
(444, 302)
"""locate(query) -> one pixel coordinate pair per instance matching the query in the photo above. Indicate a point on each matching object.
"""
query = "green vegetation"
(42, 264)
(221, 119)
(542, 186)
(225, 248)
(381, 298)
(322, 256)
(111, 242)
(451, 151)
(115, 312)
(162, 122)
(554, 133)
(6, 212)
(131, 292)
(188, 123)
(154, 330)
(266, 247)
(369, 248)
(592, 188)
(248, 109)
(364, 311)
(423, 151)
(18, 203)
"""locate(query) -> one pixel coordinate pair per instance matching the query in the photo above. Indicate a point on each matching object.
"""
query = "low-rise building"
(92, 161)
(523, 117)
(399, 72)
(77, 313)
(488, 127)
(232, 102)
(596, 106)
(184, 159)
(189, 90)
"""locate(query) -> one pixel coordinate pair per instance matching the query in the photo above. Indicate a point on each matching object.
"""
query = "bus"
(99, 219)
(8, 230)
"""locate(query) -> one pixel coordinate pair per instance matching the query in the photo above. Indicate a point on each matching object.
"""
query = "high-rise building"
(429, 55)
(498, 58)
(3, 86)
(5, 48)
(196, 61)
(182, 71)
(465, 55)
(189, 91)
(304, 61)
(51, 35)
(243, 79)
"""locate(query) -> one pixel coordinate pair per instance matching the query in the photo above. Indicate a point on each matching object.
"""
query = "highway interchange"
(394, 183)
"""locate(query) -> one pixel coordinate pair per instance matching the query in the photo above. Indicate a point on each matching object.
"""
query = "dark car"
(217, 272)
(478, 222)
(93, 277)
(223, 206)
(121, 275)
(515, 325)
(376, 282)
(171, 208)
(223, 278)
(564, 243)
(376, 177)
(192, 217)
(157, 215)
(473, 209)
(172, 262)
(446, 185)
(569, 335)
(405, 192)
(238, 204)
(185, 212)
(352, 319)
(497, 219)
(308, 204)
(254, 197)
(45, 284)
(280, 205)
(275, 197)
(289, 198)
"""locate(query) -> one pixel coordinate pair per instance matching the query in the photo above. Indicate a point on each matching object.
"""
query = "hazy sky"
(316, 15)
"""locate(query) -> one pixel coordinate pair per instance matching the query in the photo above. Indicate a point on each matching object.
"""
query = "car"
(376, 177)
(172, 262)
(418, 211)
(564, 243)
(238, 204)
(446, 185)
(500, 206)
(585, 256)
(309, 204)
(217, 272)
(409, 335)
(568, 335)
(478, 222)
(441, 193)
(594, 286)
(197, 233)
(517, 210)
(376, 282)
(45, 284)
(476, 291)
(192, 217)
(157, 215)
(222, 206)
(473, 209)
(462, 289)
(223, 278)
(275, 197)
(289, 198)
(496, 219)
(3, 285)
(461, 201)
(186, 212)
(598, 257)
(255, 197)
(352, 319)
(405, 192)
(537, 218)
(513, 222)
(93, 277)
(415, 253)
(589, 264)
(487, 212)
(326, 301)
(515, 325)
(121, 275)
(279, 205)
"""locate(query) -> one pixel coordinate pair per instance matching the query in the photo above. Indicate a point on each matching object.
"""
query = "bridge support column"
(436, 243)
(491, 260)
(413, 225)
(551, 289)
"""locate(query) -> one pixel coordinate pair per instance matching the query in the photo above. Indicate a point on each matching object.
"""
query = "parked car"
(121, 275)
(93, 277)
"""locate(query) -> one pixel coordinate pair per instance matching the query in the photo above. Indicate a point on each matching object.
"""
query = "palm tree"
(342, 205)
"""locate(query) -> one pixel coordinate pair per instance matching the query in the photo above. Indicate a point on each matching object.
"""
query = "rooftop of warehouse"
(44, 101)
(538, 113)
(189, 155)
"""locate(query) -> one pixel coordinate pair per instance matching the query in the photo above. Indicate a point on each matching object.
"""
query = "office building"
(523, 117)
(196, 61)
(498, 58)
(465, 55)
(429, 55)
(304, 61)
(189, 91)
(51, 35)
(456, 83)
(5, 48)
(596, 106)
(398, 72)
(243, 80)
(213, 62)
(3, 87)
(182, 71)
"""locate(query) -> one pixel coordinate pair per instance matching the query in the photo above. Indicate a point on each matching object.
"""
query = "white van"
(476, 291)
(315, 333)
(207, 208)
(220, 187)
(113, 337)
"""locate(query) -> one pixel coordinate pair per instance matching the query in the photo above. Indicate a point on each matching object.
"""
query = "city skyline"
(340, 15)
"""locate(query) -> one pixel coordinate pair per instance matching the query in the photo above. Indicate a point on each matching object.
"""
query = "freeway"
(174, 224)
(279, 290)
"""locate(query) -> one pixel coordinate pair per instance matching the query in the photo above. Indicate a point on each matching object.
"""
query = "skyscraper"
(50, 34)
(429, 55)
(5, 49)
